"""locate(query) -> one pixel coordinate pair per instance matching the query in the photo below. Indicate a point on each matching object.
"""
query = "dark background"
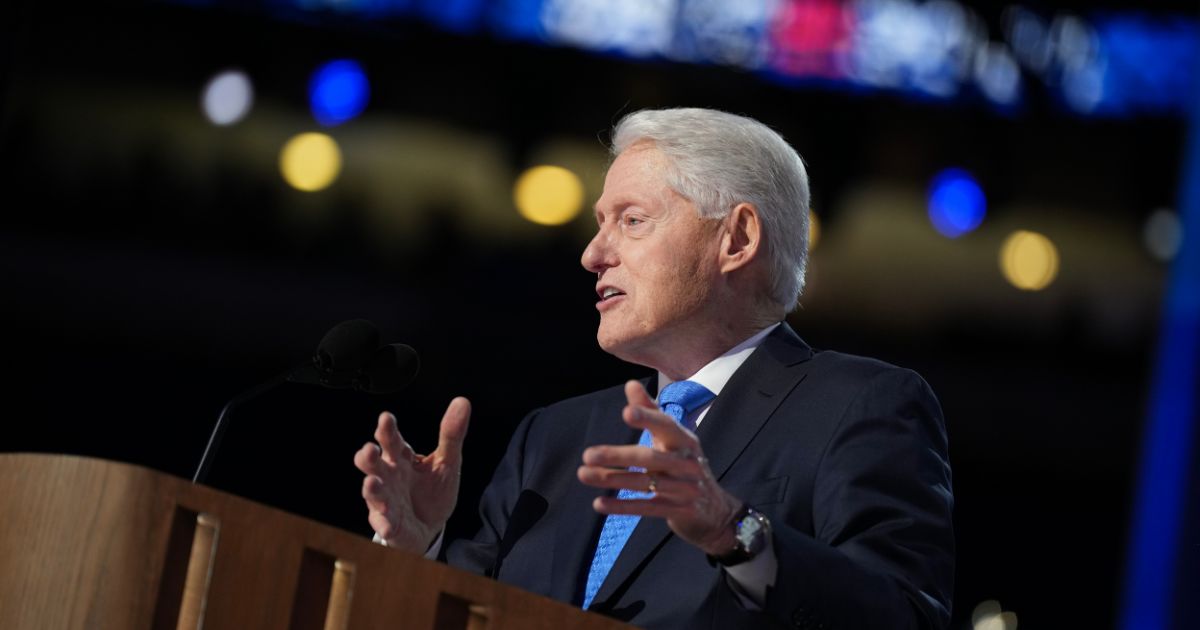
(143, 289)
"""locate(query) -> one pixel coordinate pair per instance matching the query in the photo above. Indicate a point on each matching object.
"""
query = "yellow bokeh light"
(310, 161)
(548, 195)
(1029, 260)
(814, 230)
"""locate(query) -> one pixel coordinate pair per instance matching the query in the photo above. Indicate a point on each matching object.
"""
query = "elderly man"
(765, 484)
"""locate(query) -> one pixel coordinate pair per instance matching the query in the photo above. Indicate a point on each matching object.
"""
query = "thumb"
(454, 430)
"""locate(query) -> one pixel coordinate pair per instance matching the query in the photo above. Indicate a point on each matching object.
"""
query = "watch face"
(749, 531)
(749, 527)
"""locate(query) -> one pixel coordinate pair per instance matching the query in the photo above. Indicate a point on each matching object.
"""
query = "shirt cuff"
(430, 553)
(750, 580)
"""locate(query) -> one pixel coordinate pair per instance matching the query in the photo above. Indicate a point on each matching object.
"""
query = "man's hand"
(411, 496)
(697, 509)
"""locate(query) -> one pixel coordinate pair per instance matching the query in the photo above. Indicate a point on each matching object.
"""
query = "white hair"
(718, 160)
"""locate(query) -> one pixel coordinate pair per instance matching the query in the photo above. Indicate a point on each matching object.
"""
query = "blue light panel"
(1154, 549)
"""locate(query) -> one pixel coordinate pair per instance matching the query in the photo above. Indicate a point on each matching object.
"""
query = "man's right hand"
(411, 496)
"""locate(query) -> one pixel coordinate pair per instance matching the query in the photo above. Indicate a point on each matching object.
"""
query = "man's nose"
(598, 254)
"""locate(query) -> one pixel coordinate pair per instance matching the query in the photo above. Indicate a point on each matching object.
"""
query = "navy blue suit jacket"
(847, 457)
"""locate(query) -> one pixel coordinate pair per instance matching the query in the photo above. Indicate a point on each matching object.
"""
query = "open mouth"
(609, 294)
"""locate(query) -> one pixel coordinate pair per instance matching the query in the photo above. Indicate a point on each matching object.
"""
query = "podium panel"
(86, 543)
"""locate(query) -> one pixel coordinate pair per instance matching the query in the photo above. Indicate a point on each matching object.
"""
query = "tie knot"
(683, 397)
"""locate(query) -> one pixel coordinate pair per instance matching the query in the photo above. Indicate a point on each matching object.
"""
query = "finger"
(373, 494)
(382, 525)
(453, 431)
(609, 479)
(660, 507)
(637, 396)
(395, 449)
(668, 434)
(368, 460)
(613, 479)
(641, 457)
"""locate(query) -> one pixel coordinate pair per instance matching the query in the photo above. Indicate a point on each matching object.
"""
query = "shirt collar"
(717, 372)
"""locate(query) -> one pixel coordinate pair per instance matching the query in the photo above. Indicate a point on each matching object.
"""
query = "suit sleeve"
(483, 552)
(882, 553)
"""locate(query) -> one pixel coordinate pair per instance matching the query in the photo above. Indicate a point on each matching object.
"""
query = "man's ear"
(743, 237)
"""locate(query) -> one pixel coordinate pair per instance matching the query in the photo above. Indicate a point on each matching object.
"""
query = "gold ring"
(653, 484)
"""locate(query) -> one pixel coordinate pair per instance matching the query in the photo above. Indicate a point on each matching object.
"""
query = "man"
(814, 490)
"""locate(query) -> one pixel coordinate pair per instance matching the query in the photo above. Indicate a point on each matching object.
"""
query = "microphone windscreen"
(344, 350)
(391, 368)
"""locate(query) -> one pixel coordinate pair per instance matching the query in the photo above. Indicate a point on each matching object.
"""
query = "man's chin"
(624, 347)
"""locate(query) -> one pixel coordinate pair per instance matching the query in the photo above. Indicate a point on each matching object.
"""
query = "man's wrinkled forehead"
(654, 170)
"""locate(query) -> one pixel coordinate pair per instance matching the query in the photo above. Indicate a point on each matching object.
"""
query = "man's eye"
(632, 221)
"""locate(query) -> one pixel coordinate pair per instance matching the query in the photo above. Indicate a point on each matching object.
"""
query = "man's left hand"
(684, 490)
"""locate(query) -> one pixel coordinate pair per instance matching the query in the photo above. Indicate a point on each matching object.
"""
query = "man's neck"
(685, 357)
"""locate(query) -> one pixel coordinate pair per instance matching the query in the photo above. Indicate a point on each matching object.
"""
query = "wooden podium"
(86, 543)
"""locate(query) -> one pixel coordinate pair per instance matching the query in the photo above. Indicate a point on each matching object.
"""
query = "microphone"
(348, 357)
(390, 368)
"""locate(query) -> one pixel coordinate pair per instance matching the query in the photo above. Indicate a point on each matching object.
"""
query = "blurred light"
(227, 97)
(1075, 42)
(988, 616)
(1163, 234)
(1028, 260)
(518, 19)
(1115, 63)
(460, 16)
(730, 33)
(639, 28)
(1029, 38)
(310, 161)
(1151, 64)
(548, 195)
(338, 92)
(925, 47)
(811, 38)
(986, 609)
(1080, 62)
(814, 230)
(997, 73)
(956, 203)
(1083, 88)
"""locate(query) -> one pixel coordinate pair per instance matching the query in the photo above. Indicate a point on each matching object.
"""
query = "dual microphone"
(348, 357)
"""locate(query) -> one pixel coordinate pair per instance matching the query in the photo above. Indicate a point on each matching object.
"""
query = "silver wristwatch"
(751, 530)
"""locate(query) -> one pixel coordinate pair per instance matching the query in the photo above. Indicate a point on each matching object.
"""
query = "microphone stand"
(387, 370)
(219, 430)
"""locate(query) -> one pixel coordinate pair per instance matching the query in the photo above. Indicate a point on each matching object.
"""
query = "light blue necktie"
(678, 400)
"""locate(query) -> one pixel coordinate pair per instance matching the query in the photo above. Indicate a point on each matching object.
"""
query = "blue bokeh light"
(956, 203)
(338, 92)
(458, 16)
(518, 19)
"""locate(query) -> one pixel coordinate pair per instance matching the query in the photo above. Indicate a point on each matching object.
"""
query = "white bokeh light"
(997, 73)
(228, 97)
(1163, 234)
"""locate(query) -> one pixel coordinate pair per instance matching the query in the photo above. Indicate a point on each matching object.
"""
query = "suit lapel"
(749, 398)
(573, 552)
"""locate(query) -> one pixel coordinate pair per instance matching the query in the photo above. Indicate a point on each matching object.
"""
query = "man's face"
(655, 261)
